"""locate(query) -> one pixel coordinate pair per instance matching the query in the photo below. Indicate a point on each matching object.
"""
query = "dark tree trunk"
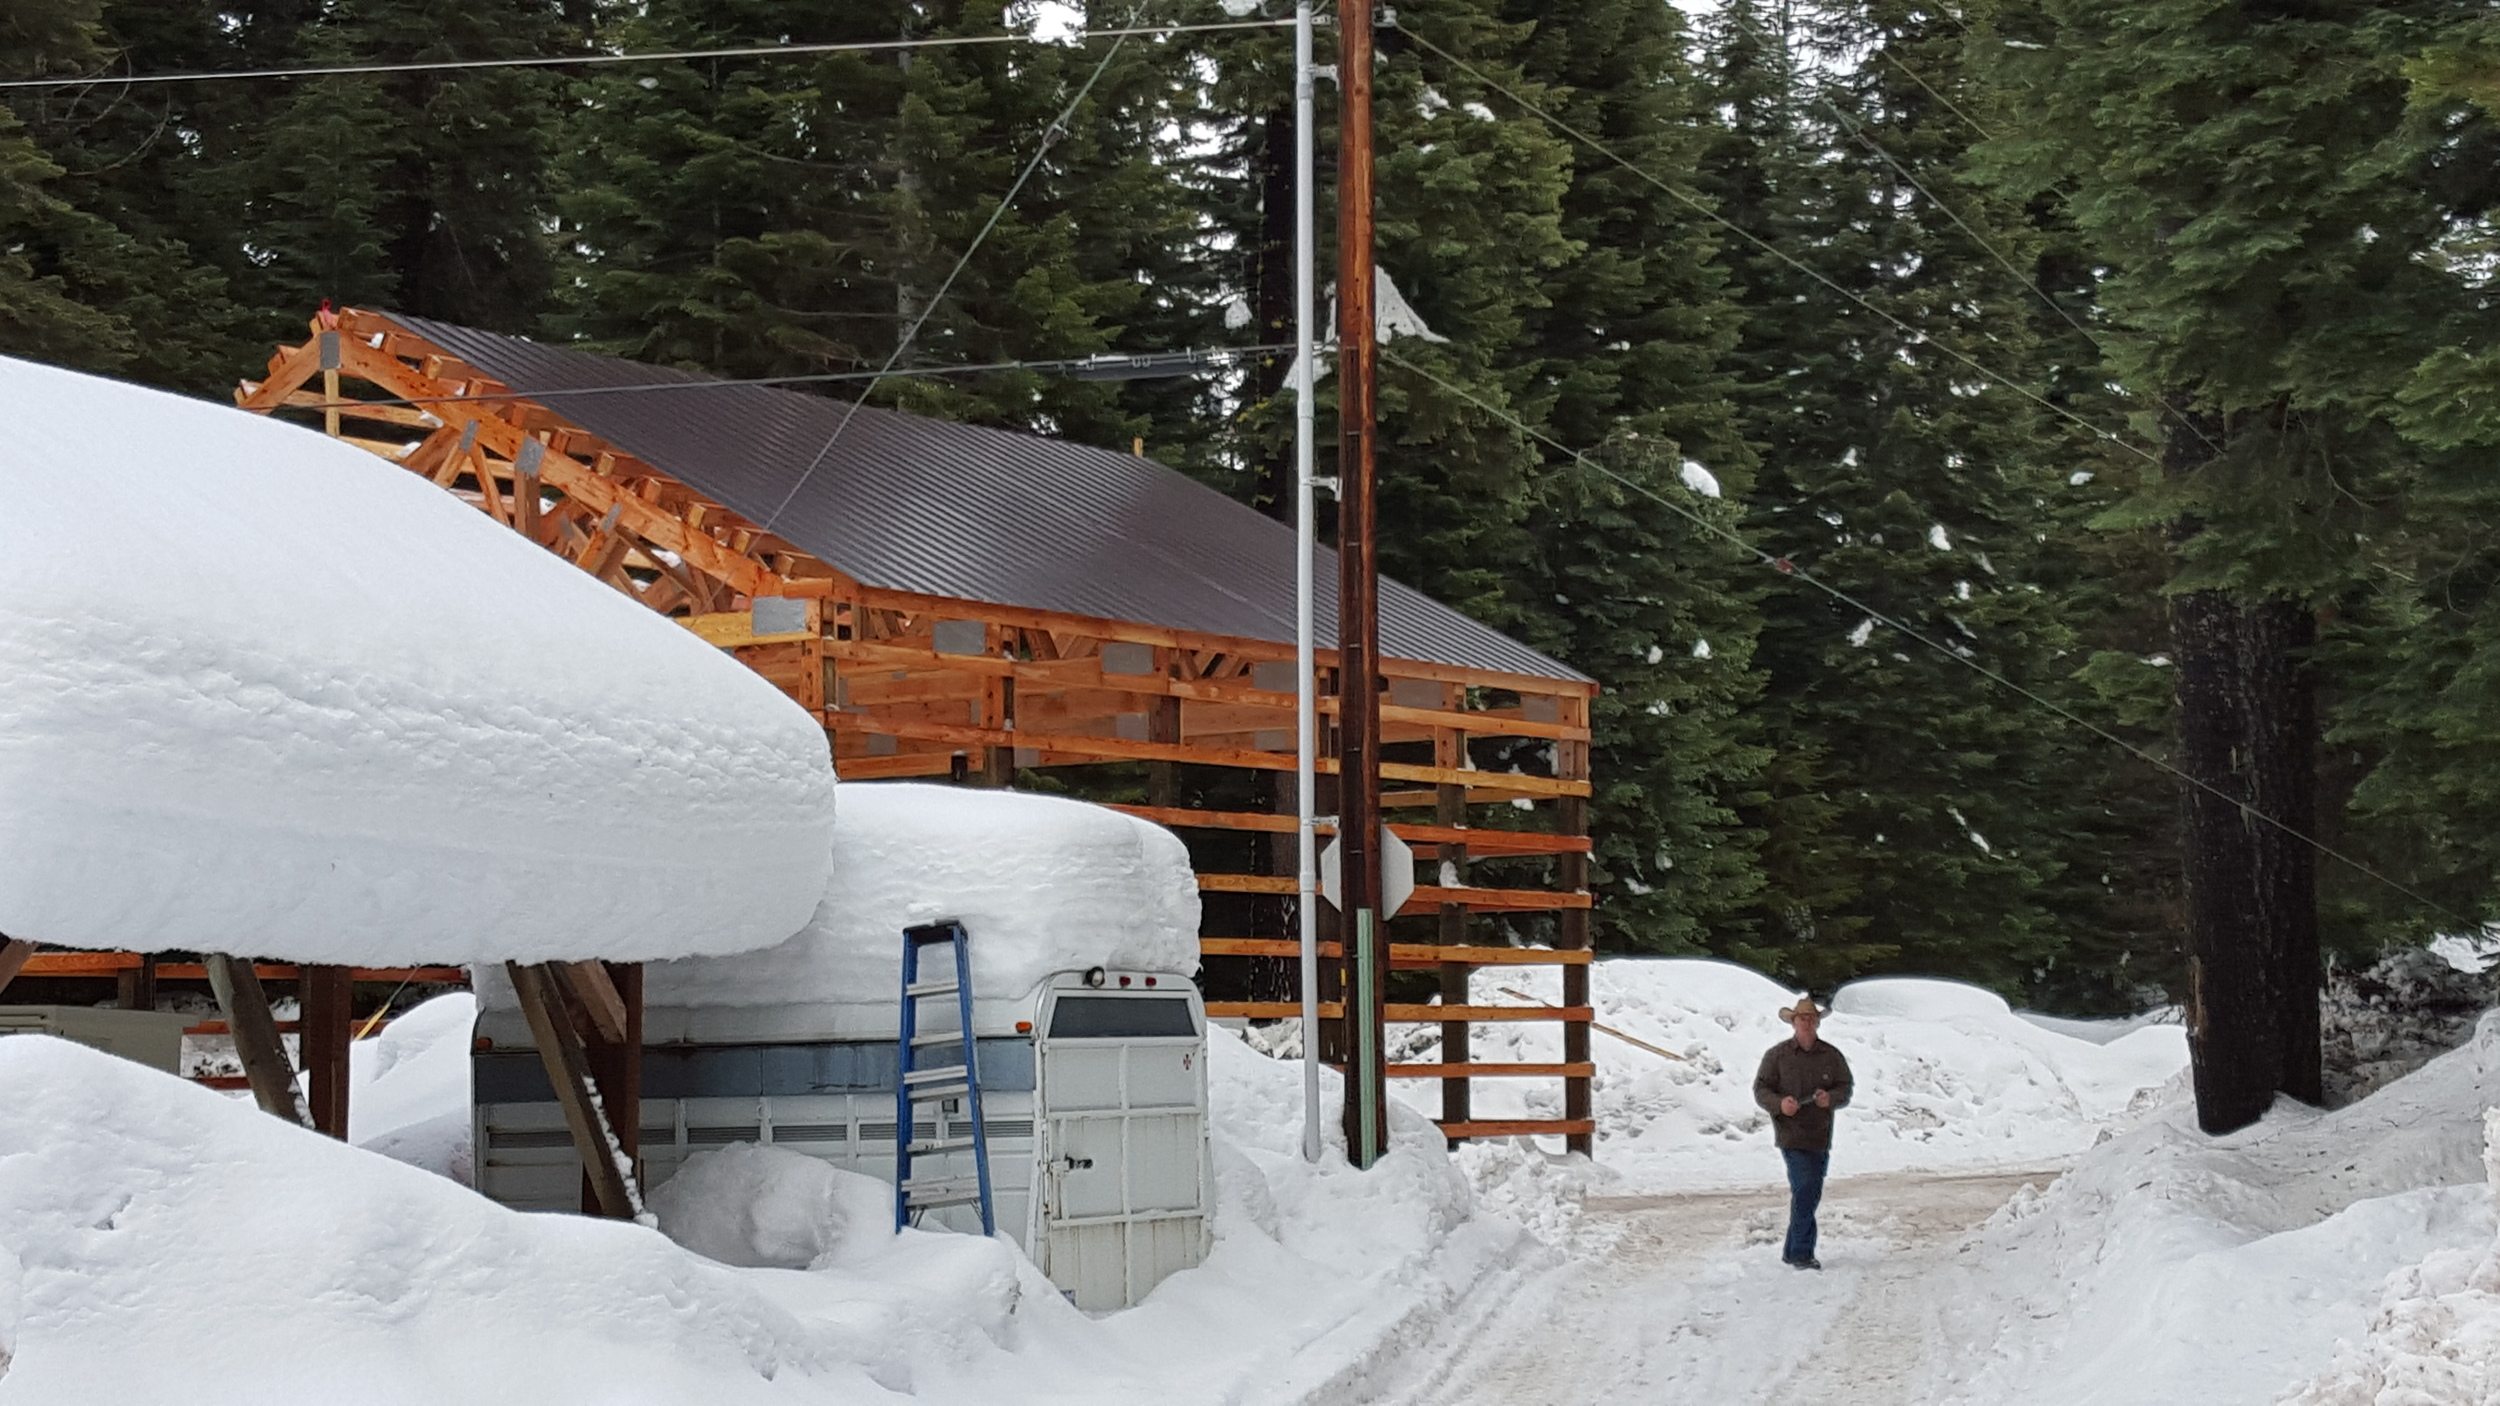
(2248, 729)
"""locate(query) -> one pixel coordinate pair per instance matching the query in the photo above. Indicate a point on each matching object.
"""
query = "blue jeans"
(1805, 1192)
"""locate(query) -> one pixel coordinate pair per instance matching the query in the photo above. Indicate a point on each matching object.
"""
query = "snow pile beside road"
(1043, 885)
(178, 1245)
(259, 686)
(2168, 1266)
(1948, 1076)
(2436, 1335)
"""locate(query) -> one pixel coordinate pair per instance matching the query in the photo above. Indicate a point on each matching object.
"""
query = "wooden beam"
(135, 985)
(1426, 898)
(1418, 954)
(1479, 842)
(588, 983)
(327, 995)
(255, 1031)
(1573, 1128)
(568, 1073)
(1497, 784)
(1569, 1014)
(616, 1067)
(1270, 1010)
(1473, 1068)
(15, 953)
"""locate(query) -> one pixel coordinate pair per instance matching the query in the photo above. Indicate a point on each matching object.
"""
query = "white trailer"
(1094, 1096)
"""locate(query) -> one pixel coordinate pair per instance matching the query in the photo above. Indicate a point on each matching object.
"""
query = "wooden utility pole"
(1358, 602)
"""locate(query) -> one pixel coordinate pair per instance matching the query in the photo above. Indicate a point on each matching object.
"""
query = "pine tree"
(1913, 809)
(2274, 308)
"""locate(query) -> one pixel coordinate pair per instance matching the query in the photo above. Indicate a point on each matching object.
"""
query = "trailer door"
(1123, 1095)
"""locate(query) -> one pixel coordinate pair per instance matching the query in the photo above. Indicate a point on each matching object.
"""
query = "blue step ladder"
(956, 1076)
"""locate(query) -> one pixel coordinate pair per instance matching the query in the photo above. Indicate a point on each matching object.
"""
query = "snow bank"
(259, 687)
(178, 1245)
(769, 1207)
(1948, 1076)
(1042, 884)
(2436, 1335)
(2168, 1266)
(408, 1088)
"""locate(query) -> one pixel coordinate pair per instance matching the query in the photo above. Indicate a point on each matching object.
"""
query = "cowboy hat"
(1809, 1005)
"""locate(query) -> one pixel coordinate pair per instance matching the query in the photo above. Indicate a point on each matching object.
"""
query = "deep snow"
(260, 1262)
(258, 686)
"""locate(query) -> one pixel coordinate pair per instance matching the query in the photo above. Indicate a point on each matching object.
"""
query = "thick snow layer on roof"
(261, 691)
(1041, 884)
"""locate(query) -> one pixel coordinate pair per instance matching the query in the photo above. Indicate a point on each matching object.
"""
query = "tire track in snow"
(1689, 1305)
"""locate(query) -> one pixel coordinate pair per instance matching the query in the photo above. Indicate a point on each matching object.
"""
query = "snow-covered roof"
(1040, 883)
(262, 692)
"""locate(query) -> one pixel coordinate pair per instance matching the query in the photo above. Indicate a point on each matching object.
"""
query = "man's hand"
(1788, 1108)
(1822, 1098)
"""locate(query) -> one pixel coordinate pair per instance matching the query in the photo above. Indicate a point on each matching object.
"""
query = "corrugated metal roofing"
(908, 503)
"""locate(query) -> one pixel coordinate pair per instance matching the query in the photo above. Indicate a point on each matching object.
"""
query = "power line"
(1701, 208)
(666, 56)
(1102, 366)
(1050, 137)
(1789, 568)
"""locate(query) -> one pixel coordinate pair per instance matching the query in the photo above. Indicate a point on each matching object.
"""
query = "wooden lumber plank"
(1578, 1014)
(1521, 1127)
(255, 1032)
(287, 374)
(327, 997)
(15, 953)
(1471, 1068)
(577, 480)
(1426, 897)
(1603, 1028)
(1479, 842)
(1233, 646)
(1418, 954)
(1275, 709)
(567, 1063)
(588, 984)
(1270, 1010)
(1497, 784)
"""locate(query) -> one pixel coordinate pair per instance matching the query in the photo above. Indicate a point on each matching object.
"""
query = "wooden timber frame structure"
(602, 461)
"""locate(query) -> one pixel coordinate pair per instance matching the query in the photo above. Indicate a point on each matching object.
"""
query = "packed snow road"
(1682, 1298)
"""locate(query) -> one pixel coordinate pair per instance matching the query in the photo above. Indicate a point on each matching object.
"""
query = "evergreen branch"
(1702, 208)
(1788, 567)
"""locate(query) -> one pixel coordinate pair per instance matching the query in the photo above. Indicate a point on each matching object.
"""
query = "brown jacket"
(1789, 1072)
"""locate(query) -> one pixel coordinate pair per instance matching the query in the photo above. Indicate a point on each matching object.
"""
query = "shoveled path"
(1690, 1304)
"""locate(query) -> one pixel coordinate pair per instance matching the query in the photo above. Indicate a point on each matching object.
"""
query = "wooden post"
(328, 998)
(1358, 609)
(255, 1032)
(1574, 934)
(14, 954)
(1457, 1101)
(1163, 779)
(135, 987)
(568, 1073)
(590, 987)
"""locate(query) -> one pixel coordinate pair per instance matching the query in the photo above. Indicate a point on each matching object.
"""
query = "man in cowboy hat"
(1801, 1081)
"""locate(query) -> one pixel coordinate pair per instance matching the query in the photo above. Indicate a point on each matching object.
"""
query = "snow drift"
(259, 689)
(1043, 885)
(1948, 1076)
(159, 1242)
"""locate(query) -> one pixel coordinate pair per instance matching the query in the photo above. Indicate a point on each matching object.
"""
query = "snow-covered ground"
(2060, 1234)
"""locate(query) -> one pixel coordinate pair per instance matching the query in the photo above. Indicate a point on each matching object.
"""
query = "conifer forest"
(2014, 466)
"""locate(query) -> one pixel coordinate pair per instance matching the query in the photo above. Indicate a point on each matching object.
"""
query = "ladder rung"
(917, 1077)
(961, 1198)
(943, 1037)
(950, 1144)
(922, 1192)
(940, 1093)
(945, 987)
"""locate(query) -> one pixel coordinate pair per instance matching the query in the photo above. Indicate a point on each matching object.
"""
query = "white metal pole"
(1306, 702)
